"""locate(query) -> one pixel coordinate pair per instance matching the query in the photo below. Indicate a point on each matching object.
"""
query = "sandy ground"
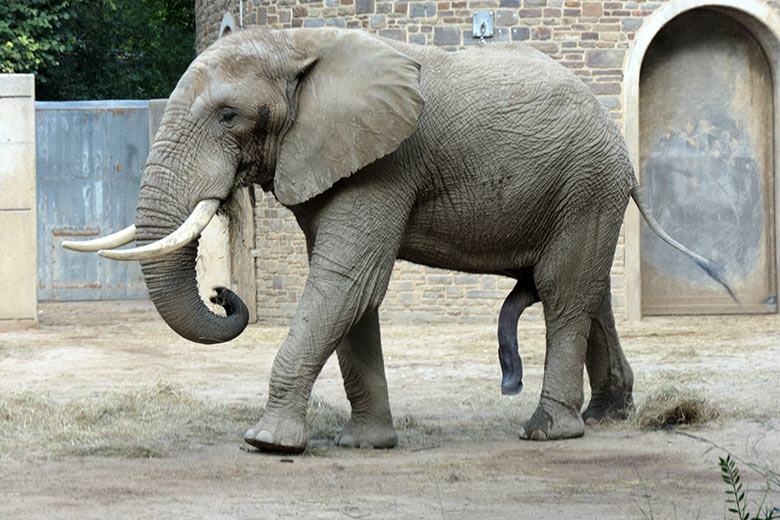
(460, 457)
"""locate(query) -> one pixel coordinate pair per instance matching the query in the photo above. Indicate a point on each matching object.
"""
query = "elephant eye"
(227, 118)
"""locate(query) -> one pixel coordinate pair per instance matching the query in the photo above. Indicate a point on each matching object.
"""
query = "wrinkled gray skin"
(491, 160)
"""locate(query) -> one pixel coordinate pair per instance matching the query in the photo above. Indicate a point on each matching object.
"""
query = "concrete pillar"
(18, 223)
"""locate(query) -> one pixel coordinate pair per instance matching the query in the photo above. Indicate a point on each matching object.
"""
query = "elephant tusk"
(187, 232)
(111, 241)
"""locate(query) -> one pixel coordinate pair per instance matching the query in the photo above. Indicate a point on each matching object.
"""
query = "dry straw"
(667, 406)
(153, 421)
(147, 422)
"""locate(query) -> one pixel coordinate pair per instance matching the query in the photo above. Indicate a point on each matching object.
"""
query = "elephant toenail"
(539, 435)
(264, 436)
(347, 441)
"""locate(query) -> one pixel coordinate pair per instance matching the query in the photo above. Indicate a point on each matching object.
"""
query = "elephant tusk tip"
(120, 238)
(76, 245)
(110, 254)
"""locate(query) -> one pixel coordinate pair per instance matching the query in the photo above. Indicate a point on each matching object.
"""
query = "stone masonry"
(592, 38)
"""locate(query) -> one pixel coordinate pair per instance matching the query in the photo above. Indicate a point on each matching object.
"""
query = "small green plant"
(737, 497)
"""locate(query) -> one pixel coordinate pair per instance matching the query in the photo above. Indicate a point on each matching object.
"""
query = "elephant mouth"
(191, 229)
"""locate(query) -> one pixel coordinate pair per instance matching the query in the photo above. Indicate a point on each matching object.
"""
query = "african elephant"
(490, 160)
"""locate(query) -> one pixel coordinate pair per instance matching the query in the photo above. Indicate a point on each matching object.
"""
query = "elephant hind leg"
(522, 296)
(558, 414)
(571, 278)
(363, 371)
(611, 377)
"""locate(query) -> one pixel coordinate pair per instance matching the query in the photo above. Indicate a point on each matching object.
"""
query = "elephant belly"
(496, 244)
(458, 260)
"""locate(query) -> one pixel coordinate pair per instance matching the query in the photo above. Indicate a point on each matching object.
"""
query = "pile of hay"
(668, 406)
(152, 421)
(147, 422)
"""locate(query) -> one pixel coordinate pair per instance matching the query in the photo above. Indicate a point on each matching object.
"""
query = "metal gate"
(89, 160)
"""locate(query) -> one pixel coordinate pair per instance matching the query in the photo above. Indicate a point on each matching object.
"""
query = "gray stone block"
(446, 35)
(520, 33)
(605, 58)
(417, 39)
(364, 6)
(393, 34)
(506, 17)
(630, 24)
(422, 9)
(378, 21)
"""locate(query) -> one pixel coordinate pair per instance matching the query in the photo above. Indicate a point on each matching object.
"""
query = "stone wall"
(592, 38)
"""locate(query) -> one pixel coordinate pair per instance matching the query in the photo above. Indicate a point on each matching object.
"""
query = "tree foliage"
(32, 35)
(114, 49)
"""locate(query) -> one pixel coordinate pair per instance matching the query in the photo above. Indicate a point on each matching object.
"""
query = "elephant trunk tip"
(236, 316)
(230, 301)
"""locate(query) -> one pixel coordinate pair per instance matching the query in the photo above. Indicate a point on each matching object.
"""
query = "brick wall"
(592, 38)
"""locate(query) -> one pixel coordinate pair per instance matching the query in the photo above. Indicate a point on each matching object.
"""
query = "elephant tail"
(712, 269)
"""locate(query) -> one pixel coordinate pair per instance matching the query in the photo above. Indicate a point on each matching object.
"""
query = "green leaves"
(30, 39)
(730, 475)
(736, 495)
(98, 49)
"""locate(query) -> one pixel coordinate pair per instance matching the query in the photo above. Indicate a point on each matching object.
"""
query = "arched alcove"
(700, 88)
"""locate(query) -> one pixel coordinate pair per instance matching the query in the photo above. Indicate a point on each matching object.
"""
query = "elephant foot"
(614, 405)
(552, 421)
(277, 435)
(367, 434)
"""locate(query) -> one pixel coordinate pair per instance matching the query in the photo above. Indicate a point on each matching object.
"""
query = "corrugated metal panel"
(89, 160)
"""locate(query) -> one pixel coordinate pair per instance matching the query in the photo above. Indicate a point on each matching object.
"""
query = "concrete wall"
(18, 249)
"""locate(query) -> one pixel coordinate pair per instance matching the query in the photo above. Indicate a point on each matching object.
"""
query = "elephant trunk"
(172, 283)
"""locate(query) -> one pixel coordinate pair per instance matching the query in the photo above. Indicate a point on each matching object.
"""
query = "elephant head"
(293, 111)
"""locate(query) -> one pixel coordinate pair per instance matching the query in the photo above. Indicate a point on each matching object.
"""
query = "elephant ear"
(357, 100)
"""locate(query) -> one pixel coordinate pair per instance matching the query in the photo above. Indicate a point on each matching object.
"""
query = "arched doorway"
(707, 161)
(701, 121)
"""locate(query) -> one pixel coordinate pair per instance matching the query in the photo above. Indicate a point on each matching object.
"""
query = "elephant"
(495, 159)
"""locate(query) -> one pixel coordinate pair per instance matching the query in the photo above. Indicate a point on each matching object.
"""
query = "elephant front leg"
(282, 427)
(363, 370)
(322, 319)
(346, 283)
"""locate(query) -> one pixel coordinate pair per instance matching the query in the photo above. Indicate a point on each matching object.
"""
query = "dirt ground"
(458, 457)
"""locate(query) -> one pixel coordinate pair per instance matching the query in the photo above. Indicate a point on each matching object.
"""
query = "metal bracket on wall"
(482, 24)
(228, 24)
